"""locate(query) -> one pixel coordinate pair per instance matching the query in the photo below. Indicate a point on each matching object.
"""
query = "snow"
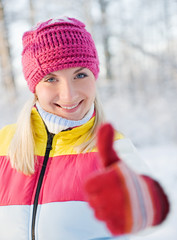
(161, 157)
(163, 162)
(150, 128)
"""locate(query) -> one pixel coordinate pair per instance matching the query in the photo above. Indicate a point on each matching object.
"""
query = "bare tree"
(32, 12)
(105, 34)
(6, 66)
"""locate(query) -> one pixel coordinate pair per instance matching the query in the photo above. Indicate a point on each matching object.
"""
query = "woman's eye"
(51, 80)
(81, 75)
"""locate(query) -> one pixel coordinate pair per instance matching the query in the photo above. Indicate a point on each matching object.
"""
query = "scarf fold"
(56, 124)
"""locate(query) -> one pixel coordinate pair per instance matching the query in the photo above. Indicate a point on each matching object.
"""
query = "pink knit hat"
(54, 45)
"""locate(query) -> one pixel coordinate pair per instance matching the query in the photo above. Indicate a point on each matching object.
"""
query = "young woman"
(53, 183)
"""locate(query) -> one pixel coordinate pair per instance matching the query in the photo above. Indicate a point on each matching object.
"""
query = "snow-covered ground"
(163, 162)
(162, 159)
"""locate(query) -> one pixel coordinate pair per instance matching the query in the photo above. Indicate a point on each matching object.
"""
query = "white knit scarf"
(56, 124)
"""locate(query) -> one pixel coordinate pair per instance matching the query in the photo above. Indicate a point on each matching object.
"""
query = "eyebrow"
(49, 75)
(78, 70)
(54, 75)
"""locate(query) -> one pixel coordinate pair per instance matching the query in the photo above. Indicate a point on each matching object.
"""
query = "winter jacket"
(50, 204)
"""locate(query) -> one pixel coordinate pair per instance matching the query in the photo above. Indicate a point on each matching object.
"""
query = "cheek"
(90, 89)
(92, 93)
(42, 94)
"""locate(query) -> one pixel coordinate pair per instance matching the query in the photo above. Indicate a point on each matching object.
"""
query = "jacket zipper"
(41, 177)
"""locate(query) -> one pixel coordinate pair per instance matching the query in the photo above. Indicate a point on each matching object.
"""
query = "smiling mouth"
(68, 107)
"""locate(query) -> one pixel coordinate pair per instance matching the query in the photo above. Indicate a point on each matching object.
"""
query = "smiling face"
(68, 93)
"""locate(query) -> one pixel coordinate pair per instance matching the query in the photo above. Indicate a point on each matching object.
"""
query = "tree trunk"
(103, 7)
(6, 66)
(32, 12)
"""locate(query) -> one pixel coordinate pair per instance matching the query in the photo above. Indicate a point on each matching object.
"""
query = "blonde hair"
(21, 149)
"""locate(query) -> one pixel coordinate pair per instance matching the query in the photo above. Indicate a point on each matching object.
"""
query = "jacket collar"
(40, 132)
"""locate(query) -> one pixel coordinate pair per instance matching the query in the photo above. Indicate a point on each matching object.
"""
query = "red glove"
(124, 200)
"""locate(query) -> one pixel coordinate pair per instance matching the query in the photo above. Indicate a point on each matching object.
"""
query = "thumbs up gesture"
(125, 201)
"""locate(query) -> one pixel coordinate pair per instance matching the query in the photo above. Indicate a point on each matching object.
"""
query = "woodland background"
(136, 42)
(137, 47)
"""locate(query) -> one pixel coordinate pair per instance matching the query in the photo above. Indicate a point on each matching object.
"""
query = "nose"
(67, 91)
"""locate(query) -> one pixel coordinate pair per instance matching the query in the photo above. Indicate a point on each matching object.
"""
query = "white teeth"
(70, 107)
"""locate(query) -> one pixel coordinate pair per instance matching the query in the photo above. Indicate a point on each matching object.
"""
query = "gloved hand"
(125, 201)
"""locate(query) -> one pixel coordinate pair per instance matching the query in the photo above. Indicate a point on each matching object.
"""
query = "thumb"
(105, 138)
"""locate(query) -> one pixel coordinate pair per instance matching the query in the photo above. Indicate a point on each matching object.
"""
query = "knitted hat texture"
(54, 45)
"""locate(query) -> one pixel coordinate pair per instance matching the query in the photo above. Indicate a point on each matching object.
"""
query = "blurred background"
(137, 46)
